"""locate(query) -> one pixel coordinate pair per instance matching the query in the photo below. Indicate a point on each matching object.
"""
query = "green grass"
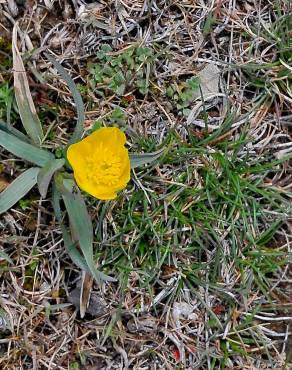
(210, 215)
(6, 101)
(271, 71)
(225, 196)
(205, 224)
(208, 212)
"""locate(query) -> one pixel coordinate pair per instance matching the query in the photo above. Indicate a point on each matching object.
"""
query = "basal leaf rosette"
(101, 163)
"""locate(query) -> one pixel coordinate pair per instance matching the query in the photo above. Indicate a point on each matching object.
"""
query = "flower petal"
(77, 154)
(82, 157)
(125, 176)
(108, 136)
(99, 192)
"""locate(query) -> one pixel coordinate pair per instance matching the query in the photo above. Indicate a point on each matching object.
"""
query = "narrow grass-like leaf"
(11, 130)
(73, 251)
(56, 198)
(4, 256)
(18, 188)
(77, 99)
(138, 160)
(82, 231)
(46, 173)
(24, 150)
(268, 234)
(25, 104)
(70, 246)
(8, 110)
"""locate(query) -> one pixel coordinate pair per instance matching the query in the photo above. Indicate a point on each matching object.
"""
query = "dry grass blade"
(77, 99)
(86, 286)
(200, 241)
(23, 96)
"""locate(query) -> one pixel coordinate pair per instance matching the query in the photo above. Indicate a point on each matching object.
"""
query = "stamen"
(103, 167)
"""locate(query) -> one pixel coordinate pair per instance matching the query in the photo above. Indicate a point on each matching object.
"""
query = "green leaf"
(73, 252)
(4, 256)
(210, 20)
(25, 203)
(193, 83)
(120, 89)
(76, 136)
(138, 160)
(24, 150)
(56, 197)
(11, 130)
(46, 173)
(70, 246)
(6, 98)
(64, 183)
(18, 189)
(268, 234)
(82, 231)
(24, 101)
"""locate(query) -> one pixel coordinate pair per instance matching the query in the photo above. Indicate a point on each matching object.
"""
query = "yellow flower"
(101, 163)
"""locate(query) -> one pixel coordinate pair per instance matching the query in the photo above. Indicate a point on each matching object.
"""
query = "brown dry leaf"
(3, 184)
(209, 81)
(86, 286)
(27, 111)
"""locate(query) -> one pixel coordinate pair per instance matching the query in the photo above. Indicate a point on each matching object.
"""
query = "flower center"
(104, 167)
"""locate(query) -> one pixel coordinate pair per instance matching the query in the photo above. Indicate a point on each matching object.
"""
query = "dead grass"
(200, 243)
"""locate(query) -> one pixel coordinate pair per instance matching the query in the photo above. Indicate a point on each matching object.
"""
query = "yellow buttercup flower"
(101, 163)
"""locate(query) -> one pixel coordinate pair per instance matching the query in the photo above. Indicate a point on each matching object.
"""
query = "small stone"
(97, 306)
(144, 325)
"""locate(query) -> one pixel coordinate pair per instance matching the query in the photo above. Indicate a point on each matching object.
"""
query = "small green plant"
(25, 204)
(74, 366)
(120, 73)
(6, 99)
(116, 117)
(5, 47)
(185, 94)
